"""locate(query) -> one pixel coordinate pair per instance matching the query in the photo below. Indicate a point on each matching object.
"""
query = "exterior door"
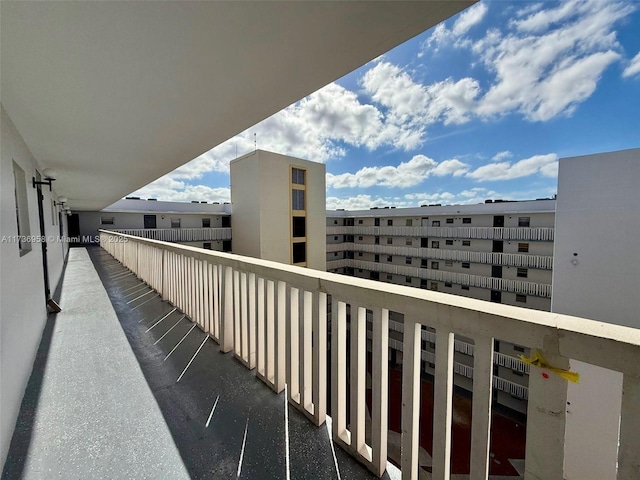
(149, 221)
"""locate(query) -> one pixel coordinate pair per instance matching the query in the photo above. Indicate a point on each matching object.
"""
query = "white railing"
(272, 316)
(544, 262)
(489, 233)
(178, 234)
(502, 284)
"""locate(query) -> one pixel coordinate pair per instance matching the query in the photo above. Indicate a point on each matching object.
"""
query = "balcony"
(489, 233)
(272, 318)
(179, 234)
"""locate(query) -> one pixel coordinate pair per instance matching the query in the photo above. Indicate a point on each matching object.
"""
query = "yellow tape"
(537, 360)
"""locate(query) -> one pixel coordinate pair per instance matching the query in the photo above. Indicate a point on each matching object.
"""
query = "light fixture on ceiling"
(61, 201)
(49, 176)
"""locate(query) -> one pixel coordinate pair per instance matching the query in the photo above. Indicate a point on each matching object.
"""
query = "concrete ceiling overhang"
(114, 95)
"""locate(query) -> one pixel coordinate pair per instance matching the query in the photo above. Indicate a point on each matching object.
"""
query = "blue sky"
(480, 106)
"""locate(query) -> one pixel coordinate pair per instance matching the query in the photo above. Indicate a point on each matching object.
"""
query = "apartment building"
(498, 251)
(197, 223)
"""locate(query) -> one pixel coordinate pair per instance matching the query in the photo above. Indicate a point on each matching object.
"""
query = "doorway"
(149, 221)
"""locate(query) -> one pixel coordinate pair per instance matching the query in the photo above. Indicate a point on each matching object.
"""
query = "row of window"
(176, 222)
(522, 222)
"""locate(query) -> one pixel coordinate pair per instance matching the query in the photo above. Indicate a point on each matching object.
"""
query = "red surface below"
(507, 435)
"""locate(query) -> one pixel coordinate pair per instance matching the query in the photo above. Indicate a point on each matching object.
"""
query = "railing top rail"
(120, 230)
(607, 345)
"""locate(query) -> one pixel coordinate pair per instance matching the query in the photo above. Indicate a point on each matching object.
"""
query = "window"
(335, 237)
(409, 222)
(389, 277)
(466, 243)
(524, 221)
(359, 254)
(423, 263)
(464, 287)
(226, 222)
(407, 279)
(107, 220)
(299, 252)
(466, 265)
(448, 263)
(522, 273)
(518, 348)
(389, 241)
(408, 242)
(435, 223)
(448, 284)
(389, 258)
(376, 240)
(376, 222)
(435, 244)
(175, 223)
(449, 220)
(407, 260)
(22, 212)
(297, 176)
(360, 222)
(523, 247)
(448, 242)
(466, 219)
(335, 222)
(433, 286)
(360, 238)
(206, 245)
(390, 223)
(299, 227)
(521, 298)
(517, 373)
(376, 258)
(206, 223)
(297, 199)
(435, 265)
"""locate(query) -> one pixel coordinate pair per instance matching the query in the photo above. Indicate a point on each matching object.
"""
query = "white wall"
(22, 298)
(595, 272)
(260, 197)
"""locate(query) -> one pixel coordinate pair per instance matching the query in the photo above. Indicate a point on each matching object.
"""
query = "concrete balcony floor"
(124, 386)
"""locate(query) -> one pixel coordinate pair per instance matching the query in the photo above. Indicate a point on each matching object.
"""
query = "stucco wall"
(22, 298)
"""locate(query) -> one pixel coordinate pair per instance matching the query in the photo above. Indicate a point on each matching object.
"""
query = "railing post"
(546, 418)
(319, 357)
(379, 389)
(410, 398)
(629, 449)
(226, 334)
(442, 397)
(481, 410)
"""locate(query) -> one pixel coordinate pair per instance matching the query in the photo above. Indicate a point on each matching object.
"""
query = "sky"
(481, 106)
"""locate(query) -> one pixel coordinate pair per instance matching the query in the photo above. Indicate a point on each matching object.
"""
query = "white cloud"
(468, 19)
(552, 60)
(170, 190)
(633, 68)
(546, 165)
(407, 174)
(416, 106)
(451, 167)
(502, 155)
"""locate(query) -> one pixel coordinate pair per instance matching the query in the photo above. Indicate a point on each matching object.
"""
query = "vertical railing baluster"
(358, 376)
(379, 389)
(293, 345)
(305, 350)
(252, 318)
(261, 340)
(339, 370)
(280, 338)
(319, 394)
(270, 329)
(226, 323)
(442, 397)
(410, 398)
(546, 418)
(237, 323)
(481, 410)
(629, 448)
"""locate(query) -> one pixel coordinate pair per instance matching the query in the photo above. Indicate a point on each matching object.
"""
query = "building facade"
(499, 251)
